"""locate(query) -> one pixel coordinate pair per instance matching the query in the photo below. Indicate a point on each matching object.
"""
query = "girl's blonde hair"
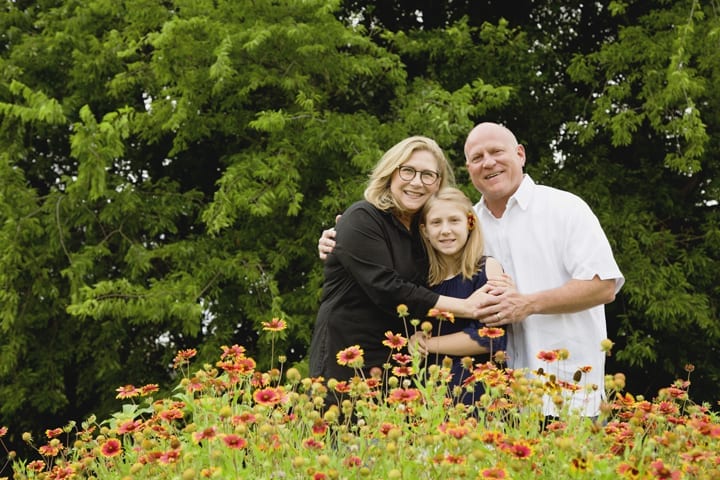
(378, 190)
(471, 257)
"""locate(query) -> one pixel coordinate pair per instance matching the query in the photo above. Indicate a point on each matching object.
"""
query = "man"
(553, 247)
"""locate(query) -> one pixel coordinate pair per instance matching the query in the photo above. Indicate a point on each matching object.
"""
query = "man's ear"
(521, 154)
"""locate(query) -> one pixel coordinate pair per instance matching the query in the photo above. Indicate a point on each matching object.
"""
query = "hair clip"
(471, 220)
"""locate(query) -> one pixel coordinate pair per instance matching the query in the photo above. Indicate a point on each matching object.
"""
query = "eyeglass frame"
(423, 173)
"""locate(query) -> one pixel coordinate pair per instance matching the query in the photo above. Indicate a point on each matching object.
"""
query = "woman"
(379, 261)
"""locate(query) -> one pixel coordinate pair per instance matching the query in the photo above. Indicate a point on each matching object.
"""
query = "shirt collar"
(522, 195)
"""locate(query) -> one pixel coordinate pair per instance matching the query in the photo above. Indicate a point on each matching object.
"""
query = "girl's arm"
(458, 344)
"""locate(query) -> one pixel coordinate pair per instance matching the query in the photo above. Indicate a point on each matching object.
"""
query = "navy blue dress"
(462, 288)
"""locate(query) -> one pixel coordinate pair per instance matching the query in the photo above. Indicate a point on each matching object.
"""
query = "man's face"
(495, 162)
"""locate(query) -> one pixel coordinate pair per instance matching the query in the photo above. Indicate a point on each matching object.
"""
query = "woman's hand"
(500, 283)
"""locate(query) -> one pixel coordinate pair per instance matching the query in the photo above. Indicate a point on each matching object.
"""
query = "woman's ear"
(423, 231)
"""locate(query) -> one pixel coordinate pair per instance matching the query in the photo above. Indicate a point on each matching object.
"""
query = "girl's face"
(446, 227)
(412, 194)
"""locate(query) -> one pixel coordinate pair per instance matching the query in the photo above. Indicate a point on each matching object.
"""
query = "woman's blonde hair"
(471, 257)
(378, 189)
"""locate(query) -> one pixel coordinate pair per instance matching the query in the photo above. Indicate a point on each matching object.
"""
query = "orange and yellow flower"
(491, 332)
(127, 391)
(111, 448)
(351, 356)
(441, 315)
(275, 325)
(268, 396)
(394, 340)
(234, 441)
(547, 356)
(403, 395)
(183, 357)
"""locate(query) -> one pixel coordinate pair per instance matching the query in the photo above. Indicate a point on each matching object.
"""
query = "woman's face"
(412, 194)
(446, 227)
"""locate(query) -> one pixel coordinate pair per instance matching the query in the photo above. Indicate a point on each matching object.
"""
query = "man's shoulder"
(558, 195)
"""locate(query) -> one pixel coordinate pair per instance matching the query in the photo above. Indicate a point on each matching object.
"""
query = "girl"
(454, 243)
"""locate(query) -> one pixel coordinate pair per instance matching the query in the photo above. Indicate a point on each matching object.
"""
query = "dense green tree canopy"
(167, 167)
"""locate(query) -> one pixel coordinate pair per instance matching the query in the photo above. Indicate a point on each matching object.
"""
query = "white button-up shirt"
(545, 238)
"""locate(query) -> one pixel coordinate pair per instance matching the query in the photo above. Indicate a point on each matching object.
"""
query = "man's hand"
(326, 242)
(505, 304)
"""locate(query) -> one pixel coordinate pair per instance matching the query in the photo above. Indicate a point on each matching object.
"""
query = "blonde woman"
(379, 261)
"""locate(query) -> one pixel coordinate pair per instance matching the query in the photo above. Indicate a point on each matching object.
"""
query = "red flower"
(659, 470)
(246, 418)
(51, 449)
(313, 444)
(454, 459)
(319, 427)
(268, 396)
(111, 448)
(129, 426)
(352, 461)
(394, 340)
(149, 388)
(519, 449)
(403, 395)
(351, 356)
(206, 434)
(171, 414)
(441, 315)
(492, 437)
(496, 472)
(275, 325)
(52, 433)
(235, 441)
(171, 456)
(455, 431)
(385, 428)
(491, 332)
(342, 387)
(128, 391)
(402, 358)
(233, 352)
(183, 357)
(547, 356)
(36, 466)
(403, 371)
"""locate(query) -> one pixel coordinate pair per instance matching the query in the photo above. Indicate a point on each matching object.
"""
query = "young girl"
(458, 267)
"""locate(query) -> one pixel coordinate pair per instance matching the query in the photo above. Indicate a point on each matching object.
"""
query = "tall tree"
(165, 170)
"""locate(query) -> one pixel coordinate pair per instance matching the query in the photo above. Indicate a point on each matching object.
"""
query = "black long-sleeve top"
(376, 265)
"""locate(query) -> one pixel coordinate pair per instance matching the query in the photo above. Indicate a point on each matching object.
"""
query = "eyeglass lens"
(427, 177)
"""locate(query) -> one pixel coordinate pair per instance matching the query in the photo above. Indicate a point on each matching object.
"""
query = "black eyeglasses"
(427, 177)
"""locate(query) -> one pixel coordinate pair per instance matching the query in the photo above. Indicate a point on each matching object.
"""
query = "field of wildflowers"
(229, 420)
